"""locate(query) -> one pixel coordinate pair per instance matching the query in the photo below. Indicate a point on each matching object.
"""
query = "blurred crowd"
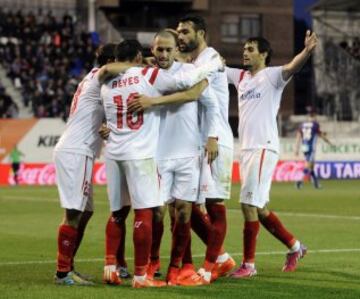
(353, 48)
(8, 109)
(45, 57)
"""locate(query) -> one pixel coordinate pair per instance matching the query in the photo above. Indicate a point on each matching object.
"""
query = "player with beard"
(215, 185)
(131, 148)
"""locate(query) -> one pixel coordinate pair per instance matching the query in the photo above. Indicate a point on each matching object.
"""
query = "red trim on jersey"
(93, 72)
(241, 76)
(261, 163)
(145, 70)
(153, 76)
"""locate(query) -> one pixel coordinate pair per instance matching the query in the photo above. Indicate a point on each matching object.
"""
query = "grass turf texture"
(327, 221)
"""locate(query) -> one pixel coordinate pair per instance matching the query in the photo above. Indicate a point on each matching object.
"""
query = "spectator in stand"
(45, 58)
(8, 109)
(353, 49)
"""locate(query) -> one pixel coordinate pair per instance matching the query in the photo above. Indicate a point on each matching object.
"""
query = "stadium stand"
(45, 57)
(336, 63)
(8, 108)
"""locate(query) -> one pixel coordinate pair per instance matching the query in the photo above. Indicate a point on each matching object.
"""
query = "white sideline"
(315, 251)
(307, 215)
(291, 214)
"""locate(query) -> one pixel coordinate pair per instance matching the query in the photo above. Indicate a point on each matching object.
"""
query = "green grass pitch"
(327, 221)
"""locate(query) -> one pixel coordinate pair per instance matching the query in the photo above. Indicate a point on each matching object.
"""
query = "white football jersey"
(86, 115)
(135, 135)
(219, 85)
(259, 99)
(179, 127)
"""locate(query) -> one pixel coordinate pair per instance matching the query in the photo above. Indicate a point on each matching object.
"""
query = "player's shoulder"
(273, 69)
(92, 73)
(184, 66)
(206, 54)
(210, 51)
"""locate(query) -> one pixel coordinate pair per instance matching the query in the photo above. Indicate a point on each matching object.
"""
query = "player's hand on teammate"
(150, 61)
(310, 41)
(140, 103)
(104, 132)
(211, 149)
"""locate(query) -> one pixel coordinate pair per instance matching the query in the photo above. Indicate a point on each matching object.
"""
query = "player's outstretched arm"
(142, 102)
(111, 70)
(185, 80)
(299, 60)
(323, 136)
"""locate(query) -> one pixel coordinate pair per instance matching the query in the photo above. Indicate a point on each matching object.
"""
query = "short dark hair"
(167, 33)
(263, 47)
(105, 54)
(128, 49)
(199, 22)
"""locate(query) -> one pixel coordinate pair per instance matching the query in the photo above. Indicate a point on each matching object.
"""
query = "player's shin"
(66, 244)
(142, 236)
(217, 215)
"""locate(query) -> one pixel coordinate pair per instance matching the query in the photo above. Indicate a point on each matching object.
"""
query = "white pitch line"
(308, 215)
(315, 251)
(39, 199)
(290, 214)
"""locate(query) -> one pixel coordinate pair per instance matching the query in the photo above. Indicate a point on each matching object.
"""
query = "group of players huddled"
(168, 143)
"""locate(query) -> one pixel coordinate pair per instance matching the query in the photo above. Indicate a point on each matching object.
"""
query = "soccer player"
(15, 158)
(259, 94)
(191, 36)
(131, 147)
(74, 157)
(307, 136)
(178, 161)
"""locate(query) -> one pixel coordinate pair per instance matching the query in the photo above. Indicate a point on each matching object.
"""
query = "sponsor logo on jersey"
(250, 95)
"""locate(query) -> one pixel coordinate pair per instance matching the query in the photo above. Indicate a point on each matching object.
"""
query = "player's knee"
(121, 215)
(250, 212)
(159, 213)
(263, 213)
(72, 217)
(183, 215)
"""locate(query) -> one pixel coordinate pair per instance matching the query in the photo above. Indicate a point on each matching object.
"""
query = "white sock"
(250, 265)
(140, 278)
(206, 275)
(295, 247)
(222, 258)
(110, 268)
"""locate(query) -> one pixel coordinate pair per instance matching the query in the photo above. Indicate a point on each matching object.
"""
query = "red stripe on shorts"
(261, 163)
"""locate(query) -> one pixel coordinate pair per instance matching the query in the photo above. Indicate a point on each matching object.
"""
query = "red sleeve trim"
(93, 72)
(153, 76)
(145, 70)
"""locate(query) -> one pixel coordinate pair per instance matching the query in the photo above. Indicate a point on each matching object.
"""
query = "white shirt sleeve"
(212, 111)
(165, 82)
(233, 75)
(275, 76)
